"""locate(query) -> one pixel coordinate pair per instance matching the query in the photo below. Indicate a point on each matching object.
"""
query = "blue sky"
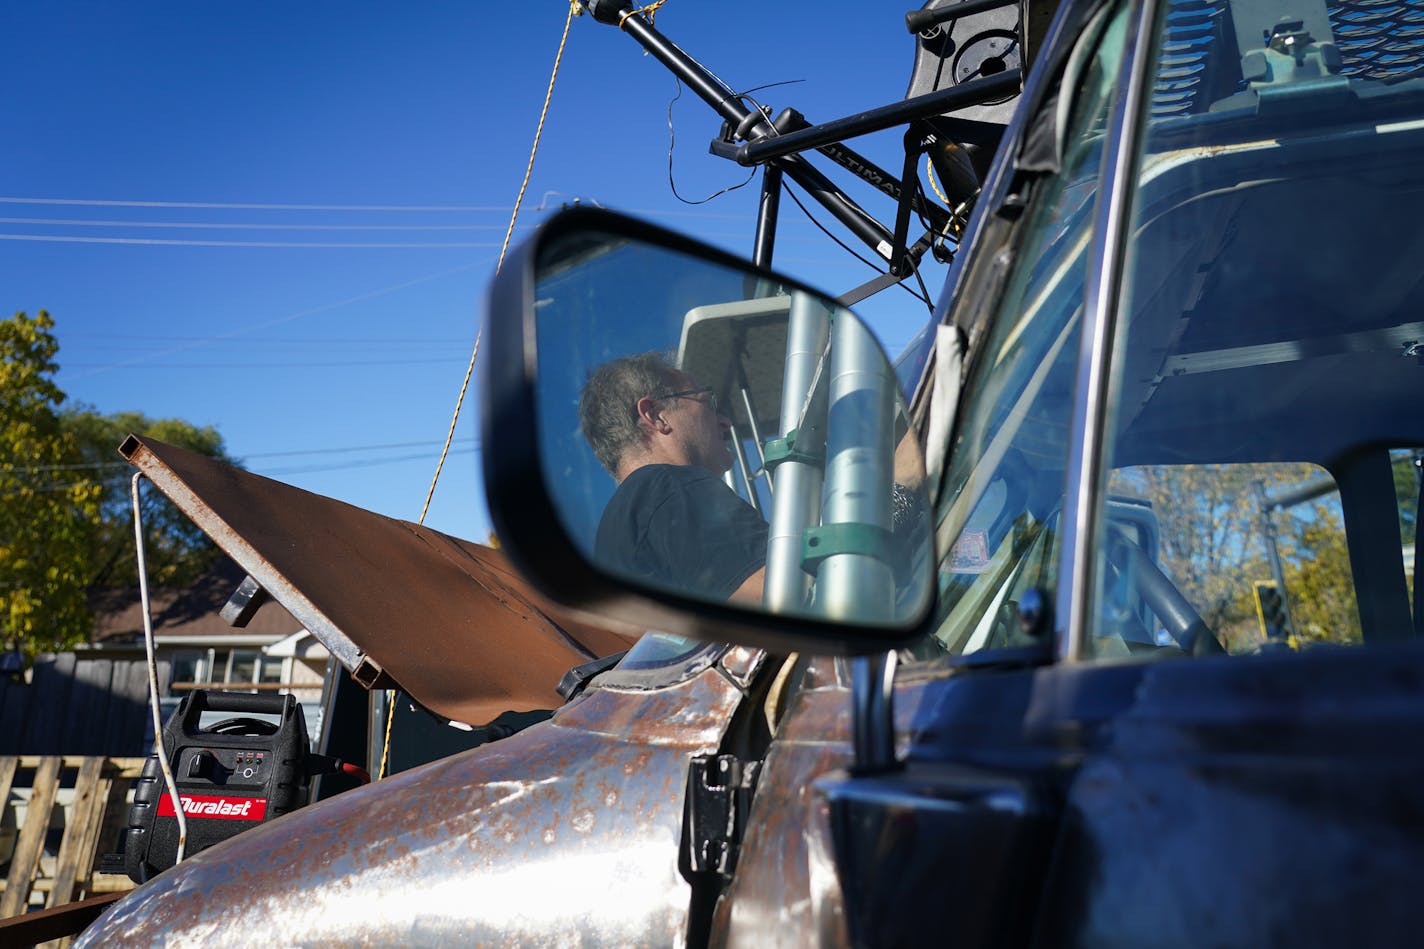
(280, 219)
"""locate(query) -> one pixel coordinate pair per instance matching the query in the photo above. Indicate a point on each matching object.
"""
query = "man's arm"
(751, 589)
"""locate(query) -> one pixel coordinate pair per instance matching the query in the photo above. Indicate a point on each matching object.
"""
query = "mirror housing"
(592, 288)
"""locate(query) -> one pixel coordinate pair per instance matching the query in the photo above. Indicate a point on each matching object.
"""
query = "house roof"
(189, 612)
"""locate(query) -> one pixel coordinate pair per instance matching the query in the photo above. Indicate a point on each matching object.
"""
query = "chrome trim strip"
(1103, 282)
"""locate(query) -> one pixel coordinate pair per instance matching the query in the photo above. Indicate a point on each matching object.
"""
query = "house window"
(230, 669)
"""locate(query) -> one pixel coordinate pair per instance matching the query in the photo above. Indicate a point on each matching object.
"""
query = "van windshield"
(1268, 352)
(1262, 487)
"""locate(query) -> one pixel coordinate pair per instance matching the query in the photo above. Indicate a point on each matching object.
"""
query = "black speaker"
(960, 40)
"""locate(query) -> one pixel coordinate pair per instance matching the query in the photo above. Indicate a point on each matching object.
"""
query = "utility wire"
(368, 463)
(163, 242)
(98, 203)
(215, 205)
(211, 225)
(319, 340)
(290, 453)
(310, 311)
(394, 350)
(253, 365)
(336, 451)
(115, 472)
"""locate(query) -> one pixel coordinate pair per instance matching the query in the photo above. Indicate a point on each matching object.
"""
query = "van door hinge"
(719, 794)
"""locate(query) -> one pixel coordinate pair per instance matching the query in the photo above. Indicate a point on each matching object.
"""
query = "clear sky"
(279, 218)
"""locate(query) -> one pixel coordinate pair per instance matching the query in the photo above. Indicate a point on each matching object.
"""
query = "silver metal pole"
(859, 474)
(756, 434)
(797, 484)
(744, 386)
(745, 469)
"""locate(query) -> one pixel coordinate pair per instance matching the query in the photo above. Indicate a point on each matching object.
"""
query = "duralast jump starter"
(231, 775)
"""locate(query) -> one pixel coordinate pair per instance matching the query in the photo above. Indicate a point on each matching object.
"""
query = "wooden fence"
(78, 705)
(91, 792)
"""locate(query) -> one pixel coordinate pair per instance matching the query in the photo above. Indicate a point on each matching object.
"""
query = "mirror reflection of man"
(672, 520)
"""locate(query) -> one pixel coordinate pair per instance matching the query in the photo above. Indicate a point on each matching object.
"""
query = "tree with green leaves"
(176, 551)
(47, 513)
(66, 522)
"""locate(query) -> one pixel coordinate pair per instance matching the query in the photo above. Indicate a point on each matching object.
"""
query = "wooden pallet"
(93, 819)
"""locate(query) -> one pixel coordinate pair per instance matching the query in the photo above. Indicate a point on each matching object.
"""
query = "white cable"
(153, 676)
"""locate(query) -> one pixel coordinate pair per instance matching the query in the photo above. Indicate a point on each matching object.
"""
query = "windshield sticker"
(970, 553)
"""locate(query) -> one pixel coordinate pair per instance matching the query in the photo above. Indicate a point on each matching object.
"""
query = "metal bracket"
(828, 540)
(784, 448)
(719, 794)
(244, 603)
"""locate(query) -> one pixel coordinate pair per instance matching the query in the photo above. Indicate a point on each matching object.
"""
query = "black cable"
(672, 141)
(791, 193)
(757, 105)
(940, 237)
(747, 96)
(923, 296)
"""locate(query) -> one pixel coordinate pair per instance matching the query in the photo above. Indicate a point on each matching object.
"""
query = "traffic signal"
(1271, 611)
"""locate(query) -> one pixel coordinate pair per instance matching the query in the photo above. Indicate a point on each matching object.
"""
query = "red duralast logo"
(223, 808)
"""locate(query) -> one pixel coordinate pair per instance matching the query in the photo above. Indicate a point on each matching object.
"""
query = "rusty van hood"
(398, 604)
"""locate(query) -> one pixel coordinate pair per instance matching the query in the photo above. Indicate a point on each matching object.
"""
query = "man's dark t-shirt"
(680, 527)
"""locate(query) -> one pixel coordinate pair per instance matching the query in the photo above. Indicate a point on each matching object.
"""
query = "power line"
(322, 245)
(368, 463)
(310, 311)
(254, 365)
(102, 203)
(153, 241)
(209, 225)
(331, 451)
(225, 205)
(469, 442)
(298, 469)
(384, 340)
(316, 349)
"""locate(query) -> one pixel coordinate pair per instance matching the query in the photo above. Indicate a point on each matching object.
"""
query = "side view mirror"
(677, 439)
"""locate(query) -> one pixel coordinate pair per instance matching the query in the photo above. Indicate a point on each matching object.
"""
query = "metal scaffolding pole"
(797, 482)
(854, 580)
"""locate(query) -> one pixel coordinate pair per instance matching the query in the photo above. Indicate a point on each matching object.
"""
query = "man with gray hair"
(672, 521)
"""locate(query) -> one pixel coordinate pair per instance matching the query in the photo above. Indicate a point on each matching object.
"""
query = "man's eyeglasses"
(693, 394)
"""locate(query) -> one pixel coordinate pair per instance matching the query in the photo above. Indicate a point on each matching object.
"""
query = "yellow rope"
(929, 168)
(956, 215)
(574, 10)
(528, 171)
(651, 10)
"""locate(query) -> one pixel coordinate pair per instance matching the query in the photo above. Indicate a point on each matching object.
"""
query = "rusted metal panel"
(445, 619)
(565, 834)
(786, 891)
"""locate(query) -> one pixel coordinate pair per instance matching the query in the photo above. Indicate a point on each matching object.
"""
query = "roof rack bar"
(973, 92)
